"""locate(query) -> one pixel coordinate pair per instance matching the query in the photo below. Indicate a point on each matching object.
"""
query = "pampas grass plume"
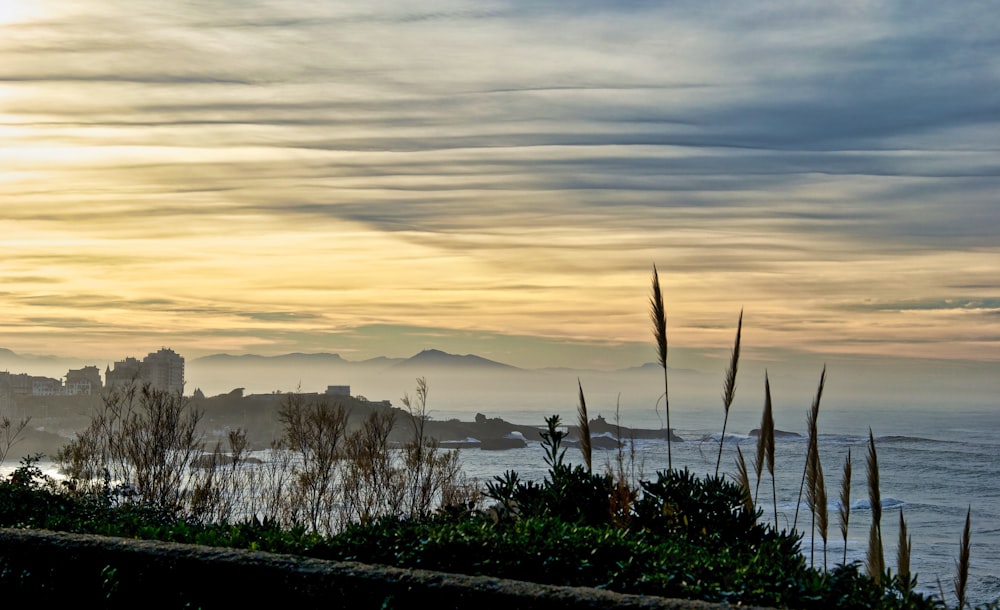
(659, 317)
(584, 422)
(813, 439)
(876, 559)
(729, 388)
(845, 501)
(743, 479)
(765, 445)
(962, 565)
(903, 553)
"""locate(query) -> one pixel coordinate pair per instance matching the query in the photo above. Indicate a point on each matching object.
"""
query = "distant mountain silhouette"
(654, 366)
(34, 363)
(380, 361)
(439, 359)
(295, 359)
(426, 358)
(649, 366)
(564, 369)
(282, 358)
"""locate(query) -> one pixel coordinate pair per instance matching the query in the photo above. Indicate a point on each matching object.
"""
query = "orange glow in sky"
(273, 177)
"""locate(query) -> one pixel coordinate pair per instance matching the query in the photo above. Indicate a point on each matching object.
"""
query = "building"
(125, 372)
(162, 370)
(338, 390)
(16, 384)
(46, 386)
(83, 381)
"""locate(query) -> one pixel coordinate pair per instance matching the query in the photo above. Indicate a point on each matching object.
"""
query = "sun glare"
(17, 11)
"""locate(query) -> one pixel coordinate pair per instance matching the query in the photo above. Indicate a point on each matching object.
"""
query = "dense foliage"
(678, 536)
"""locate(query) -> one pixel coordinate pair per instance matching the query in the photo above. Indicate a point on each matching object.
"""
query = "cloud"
(959, 304)
(275, 169)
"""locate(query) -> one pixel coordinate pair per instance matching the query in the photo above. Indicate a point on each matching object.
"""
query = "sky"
(500, 178)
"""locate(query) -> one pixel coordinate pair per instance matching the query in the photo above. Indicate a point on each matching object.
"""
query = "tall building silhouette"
(162, 370)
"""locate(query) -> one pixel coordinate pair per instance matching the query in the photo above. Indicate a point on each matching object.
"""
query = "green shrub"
(569, 493)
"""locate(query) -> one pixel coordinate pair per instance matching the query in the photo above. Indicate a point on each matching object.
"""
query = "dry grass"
(627, 472)
(743, 479)
(903, 552)
(584, 423)
(729, 388)
(659, 317)
(845, 501)
(874, 563)
(818, 504)
(813, 440)
(876, 560)
(765, 447)
(962, 565)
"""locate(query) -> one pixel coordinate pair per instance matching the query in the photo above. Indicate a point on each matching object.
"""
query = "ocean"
(935, 465)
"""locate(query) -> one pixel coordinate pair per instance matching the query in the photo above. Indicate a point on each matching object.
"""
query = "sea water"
(934, 467)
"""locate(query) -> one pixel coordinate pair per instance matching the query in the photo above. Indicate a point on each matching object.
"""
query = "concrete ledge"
(115, 572)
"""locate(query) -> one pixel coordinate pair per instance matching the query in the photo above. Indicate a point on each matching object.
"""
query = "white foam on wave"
(887, 503)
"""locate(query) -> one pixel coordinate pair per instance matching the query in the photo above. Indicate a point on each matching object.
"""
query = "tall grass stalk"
(845, 501)
(659, 316)
(729, 388)
(743, 479)
(815, 490)
(876, 559)
(874, 563)
(903, 552)
(813, 440)
(584, 422)
(818, 505)
(765, 447)
(962, 565)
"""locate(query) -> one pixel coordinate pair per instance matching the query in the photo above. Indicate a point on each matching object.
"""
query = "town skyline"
(464, 381)
(162, 370)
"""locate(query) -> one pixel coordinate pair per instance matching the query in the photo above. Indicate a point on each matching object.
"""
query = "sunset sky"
(376, 178)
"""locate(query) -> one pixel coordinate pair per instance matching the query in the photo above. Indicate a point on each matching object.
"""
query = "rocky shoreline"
(497, 434)
(55, 420)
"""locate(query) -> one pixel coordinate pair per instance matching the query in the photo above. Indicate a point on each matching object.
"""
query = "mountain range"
(432, 358)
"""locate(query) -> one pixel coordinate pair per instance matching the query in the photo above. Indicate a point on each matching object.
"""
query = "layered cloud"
(243, 176)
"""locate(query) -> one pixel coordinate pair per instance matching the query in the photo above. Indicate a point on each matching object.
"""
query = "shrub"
(142, 441)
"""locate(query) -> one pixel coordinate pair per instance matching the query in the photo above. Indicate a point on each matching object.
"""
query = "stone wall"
(87, 571)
